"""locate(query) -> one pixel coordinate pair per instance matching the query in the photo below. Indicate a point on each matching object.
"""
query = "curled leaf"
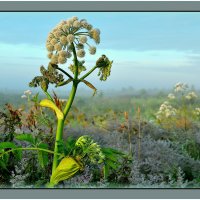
(90, 86)
(67, 168)
(50, 104)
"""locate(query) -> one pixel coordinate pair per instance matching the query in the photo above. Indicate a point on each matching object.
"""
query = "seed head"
(54, 59)
(58, 47)
(81, 53)
(92, 50)
(53, 41)
(50, 54)
(63, 40)
(50, 47)
(70, 38)
(83, 39)
(62, 60)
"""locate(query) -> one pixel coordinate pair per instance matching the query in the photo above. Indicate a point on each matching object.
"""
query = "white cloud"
(130, 67)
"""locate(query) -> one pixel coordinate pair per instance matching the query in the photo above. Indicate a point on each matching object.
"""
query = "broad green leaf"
(3, 165)
(106, 171)
(9, 145)
(70, 144)
(5, 145)
(50, 104)
(5, 158)
(26, 137)
(18, 153)
(67, 168)
(112, 151)
(43, 156)
(111, 164)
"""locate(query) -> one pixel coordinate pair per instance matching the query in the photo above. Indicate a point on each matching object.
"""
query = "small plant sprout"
(68, 42)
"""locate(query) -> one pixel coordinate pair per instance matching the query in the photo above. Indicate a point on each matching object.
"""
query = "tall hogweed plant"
(68, 42)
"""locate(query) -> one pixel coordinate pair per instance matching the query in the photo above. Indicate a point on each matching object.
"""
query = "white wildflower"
(179, 87)
(171, 96)
(191, 95)
(27, 92)
(197, 111)
(23, 96)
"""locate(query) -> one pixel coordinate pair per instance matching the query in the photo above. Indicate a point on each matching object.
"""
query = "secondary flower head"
(171, 96)
(165, 111)
(197, 111)
(69, 34)
(191, 95)
(180, 87)
(27, 92)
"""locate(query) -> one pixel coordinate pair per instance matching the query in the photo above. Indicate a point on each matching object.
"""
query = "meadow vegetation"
(131, 139)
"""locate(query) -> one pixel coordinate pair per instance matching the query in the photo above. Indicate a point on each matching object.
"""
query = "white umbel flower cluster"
(68, 33)
(165, 111)
(26, 94)
(180, 87)
(197, 111)
(171, 96)
(191, 95)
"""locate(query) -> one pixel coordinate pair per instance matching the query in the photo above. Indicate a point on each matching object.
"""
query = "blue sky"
(150, 50)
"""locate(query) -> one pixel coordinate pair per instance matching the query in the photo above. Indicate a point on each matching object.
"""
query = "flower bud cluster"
(86, 146)
(104, 65)
(81, 67)
(69, 33)
(191, 95)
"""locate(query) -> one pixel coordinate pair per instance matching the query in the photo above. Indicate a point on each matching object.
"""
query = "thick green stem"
(70, 100)
(59, 134)
(60, 125)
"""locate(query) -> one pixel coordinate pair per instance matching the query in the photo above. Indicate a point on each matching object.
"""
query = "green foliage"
(86, 148)
(6, 146)
(192, 148)
(81, 67)
(112, 160)
(43, 156)
(35, 142)
(27, 138)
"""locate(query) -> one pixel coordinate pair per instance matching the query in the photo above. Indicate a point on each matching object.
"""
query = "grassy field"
(162, 148)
